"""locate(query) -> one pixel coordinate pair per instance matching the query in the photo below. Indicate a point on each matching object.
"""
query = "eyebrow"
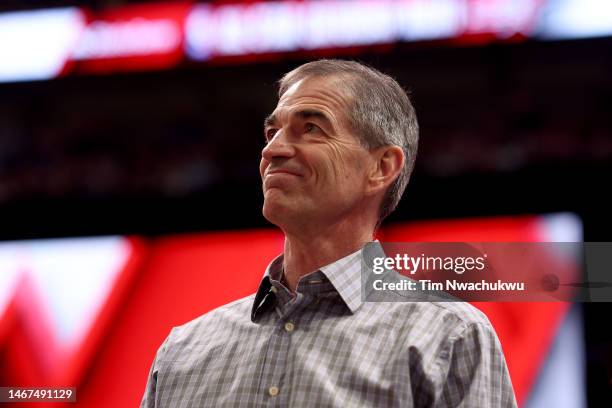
(315, 114)
(303, 114)
(270, 120)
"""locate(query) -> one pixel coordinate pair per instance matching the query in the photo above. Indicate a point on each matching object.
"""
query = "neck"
(305, 254)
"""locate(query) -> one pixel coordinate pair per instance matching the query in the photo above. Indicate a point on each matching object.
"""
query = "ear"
(386, 167)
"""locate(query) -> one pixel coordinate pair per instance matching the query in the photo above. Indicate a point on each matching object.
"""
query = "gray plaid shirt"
(326, 347)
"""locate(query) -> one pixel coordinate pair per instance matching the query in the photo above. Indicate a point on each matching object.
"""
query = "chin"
(277, 212)
(273, 211)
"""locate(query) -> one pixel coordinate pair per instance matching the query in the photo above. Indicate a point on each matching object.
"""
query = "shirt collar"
(343, 274)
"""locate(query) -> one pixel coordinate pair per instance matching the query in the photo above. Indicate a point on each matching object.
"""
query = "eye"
(311, 127)
(269, 133)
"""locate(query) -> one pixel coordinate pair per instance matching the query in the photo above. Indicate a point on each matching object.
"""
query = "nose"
(278, 147)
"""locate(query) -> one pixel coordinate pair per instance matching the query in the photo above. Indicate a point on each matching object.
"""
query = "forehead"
(328, 94)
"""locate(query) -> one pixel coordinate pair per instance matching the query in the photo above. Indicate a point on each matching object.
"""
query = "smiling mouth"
(281, 172)
(279, 178)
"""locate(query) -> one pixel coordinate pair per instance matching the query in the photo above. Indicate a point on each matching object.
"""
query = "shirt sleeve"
(476, 371)
(149, 397)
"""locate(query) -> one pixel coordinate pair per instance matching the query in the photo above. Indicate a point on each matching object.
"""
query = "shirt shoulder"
(232, 314)
(434, 321)
(464, 312)
(471, 324)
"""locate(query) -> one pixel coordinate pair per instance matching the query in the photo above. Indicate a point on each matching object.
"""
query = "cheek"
(337, 165)
(346, 164)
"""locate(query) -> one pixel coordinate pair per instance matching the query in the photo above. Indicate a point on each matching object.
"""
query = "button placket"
(274, 368)
(289, 327)
(279, 348)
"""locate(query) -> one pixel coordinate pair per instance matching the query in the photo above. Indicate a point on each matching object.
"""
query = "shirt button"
(289, 327)
(273, 391)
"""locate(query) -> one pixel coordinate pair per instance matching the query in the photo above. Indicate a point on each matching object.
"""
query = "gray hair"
(381, 114)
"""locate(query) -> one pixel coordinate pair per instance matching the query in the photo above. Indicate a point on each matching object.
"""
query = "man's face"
(313, 167)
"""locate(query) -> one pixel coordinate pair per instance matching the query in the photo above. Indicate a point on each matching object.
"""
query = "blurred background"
(130, 137)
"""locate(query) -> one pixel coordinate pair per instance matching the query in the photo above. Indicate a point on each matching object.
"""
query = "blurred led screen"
(45, 44)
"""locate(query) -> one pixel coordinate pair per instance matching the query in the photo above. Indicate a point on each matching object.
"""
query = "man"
(341, 145)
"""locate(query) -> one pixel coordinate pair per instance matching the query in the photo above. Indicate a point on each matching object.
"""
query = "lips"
(279, 178)
(282, 171)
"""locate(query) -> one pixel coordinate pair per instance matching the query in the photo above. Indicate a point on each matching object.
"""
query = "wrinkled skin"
(314, 170)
